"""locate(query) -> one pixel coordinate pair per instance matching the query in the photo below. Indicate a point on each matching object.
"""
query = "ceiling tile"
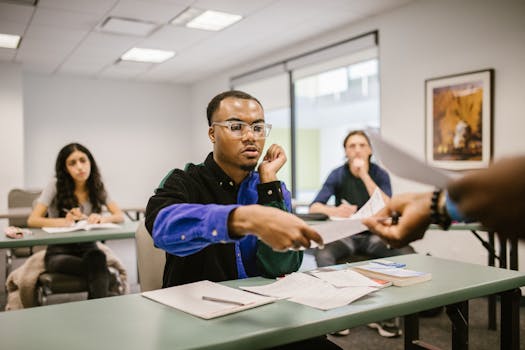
(64, 35)
(99, 7)
(15, 13)
(103, 41)
(54, 35)
(148, 11)
(14, 28)
(65, 19)
(7, 54)
(175, 38)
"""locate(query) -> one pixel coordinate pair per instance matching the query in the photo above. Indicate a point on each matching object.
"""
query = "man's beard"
(248, 167)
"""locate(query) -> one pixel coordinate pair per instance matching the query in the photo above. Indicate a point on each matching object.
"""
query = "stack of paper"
(308, 290)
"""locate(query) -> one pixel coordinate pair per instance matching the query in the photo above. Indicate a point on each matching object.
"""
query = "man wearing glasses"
(222, 220)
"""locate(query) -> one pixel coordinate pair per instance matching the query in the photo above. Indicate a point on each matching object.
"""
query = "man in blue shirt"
(221, 220)
(352, 184)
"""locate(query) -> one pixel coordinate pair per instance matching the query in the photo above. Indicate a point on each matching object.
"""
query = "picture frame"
(458, 118)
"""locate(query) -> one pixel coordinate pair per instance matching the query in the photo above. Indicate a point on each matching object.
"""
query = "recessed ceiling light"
(206, 20)
(127, 26)
(9, 41)
(138, 54)
(185, 16)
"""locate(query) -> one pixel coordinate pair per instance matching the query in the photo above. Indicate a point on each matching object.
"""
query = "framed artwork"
(459, 116)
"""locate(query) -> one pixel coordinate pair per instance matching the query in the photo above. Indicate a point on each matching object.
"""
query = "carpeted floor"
(436, 331)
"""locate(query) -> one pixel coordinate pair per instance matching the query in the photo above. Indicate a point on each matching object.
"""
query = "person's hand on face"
(358, 151)
(414, 209)
(359, 167)
(272, 162)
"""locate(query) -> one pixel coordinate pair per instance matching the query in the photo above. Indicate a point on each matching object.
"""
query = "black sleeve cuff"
(269, 192)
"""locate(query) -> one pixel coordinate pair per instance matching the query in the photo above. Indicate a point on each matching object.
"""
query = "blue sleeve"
(287, 197)
(383, 182)
(184, 229)
(453, 211)
(328, 189)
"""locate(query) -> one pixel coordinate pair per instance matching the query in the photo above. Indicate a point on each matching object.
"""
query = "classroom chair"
(150, 260)
(19, 198)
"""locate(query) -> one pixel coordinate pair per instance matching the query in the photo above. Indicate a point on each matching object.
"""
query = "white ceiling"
(63, 36)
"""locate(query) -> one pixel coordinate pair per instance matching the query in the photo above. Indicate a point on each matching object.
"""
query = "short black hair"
(215, 102)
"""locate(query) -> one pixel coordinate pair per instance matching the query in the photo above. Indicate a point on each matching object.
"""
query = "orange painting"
(457, 119)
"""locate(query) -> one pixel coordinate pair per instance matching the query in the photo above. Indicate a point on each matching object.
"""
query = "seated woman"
(76, 193)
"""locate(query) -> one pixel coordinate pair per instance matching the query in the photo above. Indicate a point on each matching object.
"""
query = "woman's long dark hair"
(65, 198)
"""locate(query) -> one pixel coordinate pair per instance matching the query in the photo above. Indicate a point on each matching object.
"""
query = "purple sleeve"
(184, 229)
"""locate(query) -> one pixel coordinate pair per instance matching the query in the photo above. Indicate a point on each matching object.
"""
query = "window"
(334, 90)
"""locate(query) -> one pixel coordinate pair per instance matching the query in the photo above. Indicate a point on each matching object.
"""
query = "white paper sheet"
(405, 165)
(80, 226)
(345, 278)
(336, 229)
(311, 291)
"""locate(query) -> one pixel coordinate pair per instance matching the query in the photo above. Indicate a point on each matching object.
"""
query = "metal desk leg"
(510, 319)
(502, 252)
(492, 298)
(458, 315)
(513, 254)
(411, 325)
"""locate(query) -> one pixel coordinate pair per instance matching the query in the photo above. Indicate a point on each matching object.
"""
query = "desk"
(41, 237)
(133, 322)
(24, 212)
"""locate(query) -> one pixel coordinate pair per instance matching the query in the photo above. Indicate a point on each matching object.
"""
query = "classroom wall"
(137, 132)
(11, 131)
(422, 40)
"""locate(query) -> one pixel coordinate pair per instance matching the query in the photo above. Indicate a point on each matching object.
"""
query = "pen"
(225, 301)
(70, 211)
(393, 218)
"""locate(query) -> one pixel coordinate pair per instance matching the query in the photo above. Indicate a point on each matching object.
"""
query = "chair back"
(150, 259)
(21, 198)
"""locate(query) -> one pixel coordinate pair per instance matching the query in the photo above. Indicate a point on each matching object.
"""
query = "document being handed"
(338, 228)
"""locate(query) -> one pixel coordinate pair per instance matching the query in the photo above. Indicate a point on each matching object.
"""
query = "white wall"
(422, 40)
(11, 131)
(137, 132)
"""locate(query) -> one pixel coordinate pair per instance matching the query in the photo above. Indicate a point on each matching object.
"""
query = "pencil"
(220, 300)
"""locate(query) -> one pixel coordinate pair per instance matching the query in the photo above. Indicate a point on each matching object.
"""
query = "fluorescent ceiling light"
(186, 16)
(138, 54)
(206, 20)
(9, 41)
(127, 26)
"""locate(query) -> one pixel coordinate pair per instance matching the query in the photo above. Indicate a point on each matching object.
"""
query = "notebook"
(206, 299)
(399, 276)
